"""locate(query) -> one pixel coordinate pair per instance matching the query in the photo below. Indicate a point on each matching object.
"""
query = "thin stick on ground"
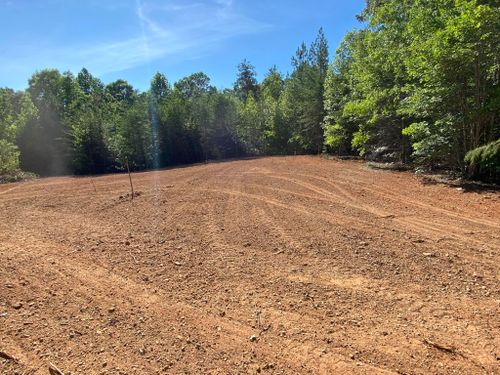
(130, 179)
(53, 370)
(92, 181)
(7, 356)
(132, 255)
(443, 348)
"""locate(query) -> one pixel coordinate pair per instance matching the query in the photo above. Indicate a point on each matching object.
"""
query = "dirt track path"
(293, 265)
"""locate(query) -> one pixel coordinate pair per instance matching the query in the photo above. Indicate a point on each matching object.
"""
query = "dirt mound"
(290, 265)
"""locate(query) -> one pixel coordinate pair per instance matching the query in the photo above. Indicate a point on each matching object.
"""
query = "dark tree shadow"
(467, 186)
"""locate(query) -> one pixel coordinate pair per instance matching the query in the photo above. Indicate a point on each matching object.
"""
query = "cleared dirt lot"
(294, 265)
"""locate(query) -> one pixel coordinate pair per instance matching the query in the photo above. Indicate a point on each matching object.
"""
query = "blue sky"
(132, 39)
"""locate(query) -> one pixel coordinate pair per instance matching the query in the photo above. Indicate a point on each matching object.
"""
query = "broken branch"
(53, 370)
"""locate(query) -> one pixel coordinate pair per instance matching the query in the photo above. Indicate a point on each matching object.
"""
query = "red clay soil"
(289, 265)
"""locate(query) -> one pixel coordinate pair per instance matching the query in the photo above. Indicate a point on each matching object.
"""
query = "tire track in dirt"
(407, 224)
(348, 282)
(394, 195)
(109, 289)
(235, 207)
(334, 303)
(280, 315)
(442, 231)
(342, 197)
(330, 216)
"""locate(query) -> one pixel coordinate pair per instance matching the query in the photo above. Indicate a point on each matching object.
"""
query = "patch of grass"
(17, 176)
(389, 166)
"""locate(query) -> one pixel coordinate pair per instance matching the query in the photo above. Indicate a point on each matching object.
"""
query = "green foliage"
(174, 137)
(453, 57)
(484, 161)
(275, 130)
(132, 142)
(77, 124)
(334, 136)
(9, 157)
(431, 143)
(193, 86)
(339, 126)
(44, 141)
(302, 104)
(251, 126)
(160, 88)
(422, 74)
(120, 91)
(90, 152)
(89, 84)
(273, 84)
(16, 109)
(246, 81)
(418, 83)
(219, 138)
(360, 140)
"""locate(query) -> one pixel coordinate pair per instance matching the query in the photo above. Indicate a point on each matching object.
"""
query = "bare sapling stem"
(130, 179)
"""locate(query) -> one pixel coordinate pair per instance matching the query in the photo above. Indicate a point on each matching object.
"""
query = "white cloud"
(153, 27)
(226, 3)
(179, 30)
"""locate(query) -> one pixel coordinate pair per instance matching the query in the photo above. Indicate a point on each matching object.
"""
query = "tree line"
(418, 84)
